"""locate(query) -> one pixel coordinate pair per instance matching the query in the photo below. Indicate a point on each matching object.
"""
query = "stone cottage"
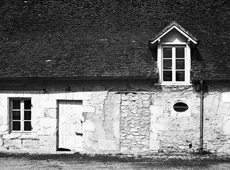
(115, 78)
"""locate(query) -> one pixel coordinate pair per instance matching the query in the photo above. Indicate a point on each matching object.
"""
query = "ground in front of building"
(24, 161)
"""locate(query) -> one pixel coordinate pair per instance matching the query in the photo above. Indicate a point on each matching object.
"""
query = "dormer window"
(174, 55)
(173, 63)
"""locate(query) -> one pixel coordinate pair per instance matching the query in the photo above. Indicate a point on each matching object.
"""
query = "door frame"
(58, 119)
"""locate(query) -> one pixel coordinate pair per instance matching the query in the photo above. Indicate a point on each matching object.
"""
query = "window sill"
(173, 84)
(20, 136)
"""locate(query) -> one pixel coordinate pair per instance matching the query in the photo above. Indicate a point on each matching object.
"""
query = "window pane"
(180, 64)
(27, 126)
(167, 52)
(16, 104)
(16, 115)
(16, 125)
(180, 76)
(27, 115)
(27, 104)
(179, 52)
(167, 75)
(167, 64)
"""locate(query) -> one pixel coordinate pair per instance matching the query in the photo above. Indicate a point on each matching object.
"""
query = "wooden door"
(70, 121)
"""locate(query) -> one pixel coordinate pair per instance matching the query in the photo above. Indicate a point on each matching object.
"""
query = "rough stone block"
(116, 129)
(86, 102)
(140, 105)
(124, 149)
(2, 120)
(124, 114)
(107, 145)
(145, 142)
(50, 131)
(30, 144)
(47, 148)
(135, 149)
(48, 122)
(98, 97)
(223, 149)
(52, 112)
(14, 143)
(144, 150)
(225, 97)
(4, 128)
(47, 142)
(29, 136)
(125, 103)
(130, 137)
(146, 104)
(88, 126)
(11, 136)
(226, 127)
(89, 109)
(154, 145)
(1, 141)
(134, 111)
(134, 98)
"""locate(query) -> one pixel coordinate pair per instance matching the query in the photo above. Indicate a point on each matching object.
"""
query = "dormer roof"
(169, 28)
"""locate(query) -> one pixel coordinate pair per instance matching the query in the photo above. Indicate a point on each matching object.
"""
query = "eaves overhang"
(210, 79)
(78, 78)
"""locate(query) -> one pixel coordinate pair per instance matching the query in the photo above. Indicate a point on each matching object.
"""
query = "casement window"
(20, 115)
(173, 64)
(174, 45)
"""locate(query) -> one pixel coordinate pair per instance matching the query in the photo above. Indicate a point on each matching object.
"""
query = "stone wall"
(150, 124)
(135, 122)
(123, 116)
(101, 110)
(216, 117)
(173, 131)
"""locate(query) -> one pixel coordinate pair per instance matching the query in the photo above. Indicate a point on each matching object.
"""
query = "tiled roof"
(62, 55)
(107, 39)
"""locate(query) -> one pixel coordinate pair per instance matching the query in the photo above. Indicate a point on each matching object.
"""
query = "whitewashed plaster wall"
(100, 109)
(173, 131)
(217, 117)
(125, 116)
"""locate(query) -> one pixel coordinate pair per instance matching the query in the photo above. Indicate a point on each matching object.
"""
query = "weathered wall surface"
(179, 131)
(135, 122)
(101, 110)
(123, 117)
(150, 124)
(171, 130)
(217, 117)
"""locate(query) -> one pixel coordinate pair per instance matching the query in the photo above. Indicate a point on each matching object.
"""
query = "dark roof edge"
(210, 79)
(76, 78)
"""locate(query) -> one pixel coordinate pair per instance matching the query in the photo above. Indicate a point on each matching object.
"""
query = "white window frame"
(22, 119)
(187, 63)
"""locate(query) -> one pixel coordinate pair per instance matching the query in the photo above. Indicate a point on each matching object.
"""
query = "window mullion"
(186, 64)
(11, 115)
(22, 115)
(173, 64)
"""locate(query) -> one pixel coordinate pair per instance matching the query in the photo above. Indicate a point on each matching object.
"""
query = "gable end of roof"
(179, 28)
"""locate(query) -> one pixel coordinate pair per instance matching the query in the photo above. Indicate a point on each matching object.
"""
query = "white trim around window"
(174, 67)
(20, 115)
